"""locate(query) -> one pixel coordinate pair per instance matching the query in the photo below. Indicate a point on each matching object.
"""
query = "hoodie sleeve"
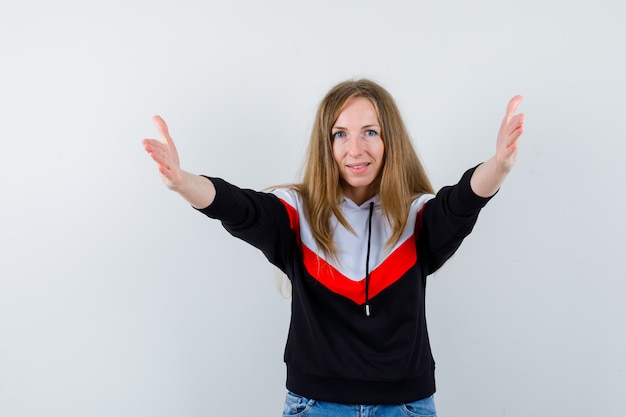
(257, 218)
(446, 220)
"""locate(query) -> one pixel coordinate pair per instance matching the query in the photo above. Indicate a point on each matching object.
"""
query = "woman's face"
(358, 149)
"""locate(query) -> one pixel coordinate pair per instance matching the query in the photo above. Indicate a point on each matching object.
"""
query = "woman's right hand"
(164, 153)
(198, 191)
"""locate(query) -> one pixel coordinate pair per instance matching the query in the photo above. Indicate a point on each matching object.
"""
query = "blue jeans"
(299, 406)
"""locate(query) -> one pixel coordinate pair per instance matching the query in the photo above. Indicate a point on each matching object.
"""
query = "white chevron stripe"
(349, 244)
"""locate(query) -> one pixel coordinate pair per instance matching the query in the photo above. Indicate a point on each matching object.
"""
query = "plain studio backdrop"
(118, 299)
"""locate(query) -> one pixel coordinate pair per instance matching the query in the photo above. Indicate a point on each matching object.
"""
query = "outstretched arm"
(489, 176)
(198, 191)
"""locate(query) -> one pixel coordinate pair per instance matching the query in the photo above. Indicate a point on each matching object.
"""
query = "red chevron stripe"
(294, 219)
(391, 270)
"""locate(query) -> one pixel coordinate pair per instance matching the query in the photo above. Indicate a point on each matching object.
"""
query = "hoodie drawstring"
(367, 261)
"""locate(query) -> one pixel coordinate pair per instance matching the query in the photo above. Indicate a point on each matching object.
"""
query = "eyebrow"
(364, 127)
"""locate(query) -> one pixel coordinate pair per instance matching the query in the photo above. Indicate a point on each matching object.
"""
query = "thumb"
(163, 129)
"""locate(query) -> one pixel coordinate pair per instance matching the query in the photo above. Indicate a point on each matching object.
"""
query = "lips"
(358, 166)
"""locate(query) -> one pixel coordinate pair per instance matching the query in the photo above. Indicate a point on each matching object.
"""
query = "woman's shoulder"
(420, 199)
(289, 193)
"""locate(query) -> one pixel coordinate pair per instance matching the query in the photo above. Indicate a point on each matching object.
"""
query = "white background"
(117, 299)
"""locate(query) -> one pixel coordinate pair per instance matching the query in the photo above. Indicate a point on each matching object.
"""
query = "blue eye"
(371, 132)
(339, 135)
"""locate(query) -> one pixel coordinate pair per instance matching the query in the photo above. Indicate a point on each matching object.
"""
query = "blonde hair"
(402, 177)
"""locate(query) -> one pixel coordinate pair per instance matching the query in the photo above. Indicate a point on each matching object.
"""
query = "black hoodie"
(358, 327)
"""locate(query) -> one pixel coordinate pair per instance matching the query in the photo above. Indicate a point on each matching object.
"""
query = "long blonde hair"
(401, 179)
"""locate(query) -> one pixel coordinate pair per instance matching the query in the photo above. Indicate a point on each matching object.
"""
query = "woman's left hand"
(511, 129)
(489, 176)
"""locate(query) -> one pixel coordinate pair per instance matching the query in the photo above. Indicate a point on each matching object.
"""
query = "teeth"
(358, 166)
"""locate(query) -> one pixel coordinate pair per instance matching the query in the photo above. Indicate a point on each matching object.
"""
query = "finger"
(163, 130)
(511, 108)
(508, 153)
(516, 122)
(157, 150)
(514, 136)
(153, 144)
(166, 172)
(158, 156)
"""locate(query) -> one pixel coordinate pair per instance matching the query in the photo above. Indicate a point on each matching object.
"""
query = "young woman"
(357, 239)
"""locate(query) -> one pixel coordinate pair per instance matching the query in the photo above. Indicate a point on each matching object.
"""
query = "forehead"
(357, 111)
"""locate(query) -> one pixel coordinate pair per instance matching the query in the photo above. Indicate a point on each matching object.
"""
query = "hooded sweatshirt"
(358, 326)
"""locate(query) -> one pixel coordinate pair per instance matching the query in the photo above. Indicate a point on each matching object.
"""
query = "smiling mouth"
(358, 166)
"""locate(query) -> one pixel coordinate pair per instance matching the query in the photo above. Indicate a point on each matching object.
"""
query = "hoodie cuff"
(466, 197)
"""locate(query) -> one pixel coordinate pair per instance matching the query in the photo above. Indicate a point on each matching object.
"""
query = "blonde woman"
(357, 239)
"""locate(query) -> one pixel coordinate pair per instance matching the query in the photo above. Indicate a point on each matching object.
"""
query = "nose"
(355, 146)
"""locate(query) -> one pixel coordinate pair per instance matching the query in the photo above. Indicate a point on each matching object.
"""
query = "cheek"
(337, 155)
(380, 152)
